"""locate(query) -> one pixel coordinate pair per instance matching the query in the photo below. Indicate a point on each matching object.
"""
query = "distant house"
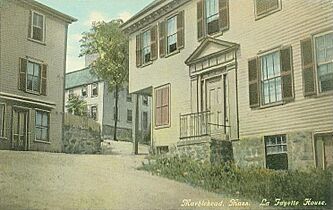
(101, 104)
(33, 41)
(256, 75)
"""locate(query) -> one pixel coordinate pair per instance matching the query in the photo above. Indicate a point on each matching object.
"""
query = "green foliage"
(111, 46)
(254, 183)
(77, 106)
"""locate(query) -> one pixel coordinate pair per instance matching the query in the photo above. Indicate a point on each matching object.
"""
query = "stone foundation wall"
(124, 134)
(205, 149)
(251, 151)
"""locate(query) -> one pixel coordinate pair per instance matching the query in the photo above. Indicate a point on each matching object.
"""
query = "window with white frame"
(38, 27)
(276, 152)
(212, 16)
(2, 120)
(129, 115)
(84, 92)
(42, 125)
(146, 49)
(271, 78)
(265, 7)
(172, 34)
(34, 76)
(324, 58)
(94, 89)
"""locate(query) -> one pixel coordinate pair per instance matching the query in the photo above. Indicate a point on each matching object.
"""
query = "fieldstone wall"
(205, 149)
(300, 150)
(81, 135)
(251, 151)
(122, 133)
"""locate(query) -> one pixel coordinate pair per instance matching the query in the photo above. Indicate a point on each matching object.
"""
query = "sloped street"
(37, 180)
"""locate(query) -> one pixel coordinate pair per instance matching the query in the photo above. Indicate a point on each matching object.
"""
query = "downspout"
(63, 90)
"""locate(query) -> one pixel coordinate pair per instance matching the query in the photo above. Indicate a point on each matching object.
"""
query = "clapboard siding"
(297, 20)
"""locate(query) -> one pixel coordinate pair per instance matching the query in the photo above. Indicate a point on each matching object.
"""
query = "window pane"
(321, 56)
(38, 118)
(278, 89)
(263, 68)
(29, 82)
(272, 90)
(30, 68)
(276, 60)
(35, 84)
(172, 26)
(36, 70)
(266, 92)
(329, 54)
(45, 134)
(270, 70)
(45, 121)
(38, 133)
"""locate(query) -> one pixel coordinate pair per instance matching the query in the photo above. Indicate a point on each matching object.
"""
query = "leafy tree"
(77, 106)
(110, 44)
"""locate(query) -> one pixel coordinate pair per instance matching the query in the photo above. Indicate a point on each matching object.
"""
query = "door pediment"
(208, 48)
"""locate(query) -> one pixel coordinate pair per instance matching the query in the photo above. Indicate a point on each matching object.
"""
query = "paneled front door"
(324, 151)
(20, 129)
(215, 104)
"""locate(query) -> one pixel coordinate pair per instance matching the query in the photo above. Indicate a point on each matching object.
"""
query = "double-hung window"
(172, 34)
(212, 16)
(276, 152)
(129, 115)
(324, 61)
(271, 78)
(42, 126)
(37, 27)
(2, 120)
(146, 47)
(33, 77)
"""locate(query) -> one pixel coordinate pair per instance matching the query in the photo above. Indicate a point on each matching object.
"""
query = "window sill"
(173, 53)
(33, 92)
(258, 17)
(37, 41)
(162, 127)
(146, 64)
(41, 141)
(269, 105)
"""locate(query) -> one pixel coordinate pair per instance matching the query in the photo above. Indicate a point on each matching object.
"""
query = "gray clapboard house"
(101, 105)
(33, 41)
(256, 75)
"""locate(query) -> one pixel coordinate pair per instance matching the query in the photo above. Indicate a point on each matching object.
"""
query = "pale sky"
(87, 11)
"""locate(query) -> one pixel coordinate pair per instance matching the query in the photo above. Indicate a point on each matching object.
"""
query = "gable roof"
(79, 78)
(216, 46)
(56, 13)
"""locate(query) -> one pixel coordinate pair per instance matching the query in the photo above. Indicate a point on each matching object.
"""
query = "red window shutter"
(23, 74)
(180, 30)
(138, 50)
(287, 74)
(309, 78)
(162, 37)
(224, 15)
(254, 93)
(200, 19)
(44, 80)
(153, 42)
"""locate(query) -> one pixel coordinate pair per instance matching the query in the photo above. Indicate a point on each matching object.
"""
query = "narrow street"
(37, 180)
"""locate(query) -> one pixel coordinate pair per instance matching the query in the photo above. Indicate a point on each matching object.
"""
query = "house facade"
(33, 41)
(256, 80)
(101, 105)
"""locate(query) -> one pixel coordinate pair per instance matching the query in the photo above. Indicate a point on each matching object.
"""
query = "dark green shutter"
(253, 73)
(309, 77)
(223, 15)
(153, 42)
(44, 79)
(162, 36)
(200, 19)
(23, 74)
(138, 50)
(180, 30)
(286, 73)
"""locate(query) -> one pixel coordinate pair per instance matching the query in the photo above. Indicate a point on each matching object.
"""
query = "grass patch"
(252, 183)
